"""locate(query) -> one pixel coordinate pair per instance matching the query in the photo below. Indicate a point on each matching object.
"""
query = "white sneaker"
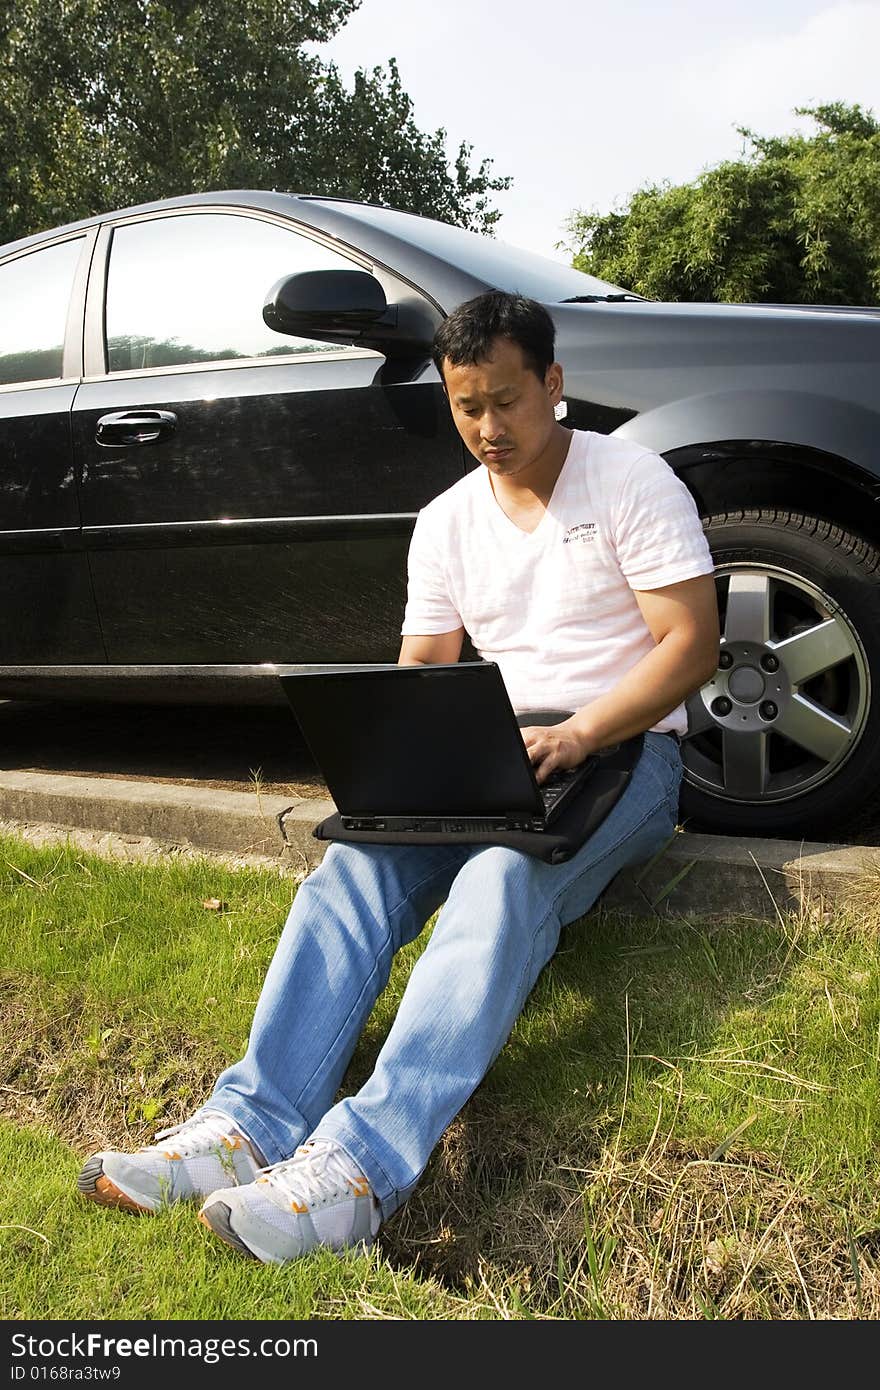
(206, 1151)
(317, 1197)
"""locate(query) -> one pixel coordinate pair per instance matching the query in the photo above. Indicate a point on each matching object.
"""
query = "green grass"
(683, 1124)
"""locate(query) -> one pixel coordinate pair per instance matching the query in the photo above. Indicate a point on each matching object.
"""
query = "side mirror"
(339, 306)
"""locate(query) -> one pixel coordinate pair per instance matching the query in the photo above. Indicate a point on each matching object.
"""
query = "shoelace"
(193, 1135)
(318, 1169)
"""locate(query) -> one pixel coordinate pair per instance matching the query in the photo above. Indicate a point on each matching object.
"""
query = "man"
(577, 563)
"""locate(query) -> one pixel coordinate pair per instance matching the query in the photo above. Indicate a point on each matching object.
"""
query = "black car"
(219, 417)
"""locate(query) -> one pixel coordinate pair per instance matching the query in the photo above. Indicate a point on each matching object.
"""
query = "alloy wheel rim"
(790, 699)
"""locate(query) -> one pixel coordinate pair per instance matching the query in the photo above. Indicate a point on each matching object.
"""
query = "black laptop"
(426, 748)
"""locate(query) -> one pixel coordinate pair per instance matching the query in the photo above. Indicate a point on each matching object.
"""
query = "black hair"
(467, 335)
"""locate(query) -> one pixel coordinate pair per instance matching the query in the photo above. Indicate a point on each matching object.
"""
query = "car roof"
(237, 197)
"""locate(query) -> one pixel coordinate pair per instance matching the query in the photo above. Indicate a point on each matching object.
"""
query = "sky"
(582, 101)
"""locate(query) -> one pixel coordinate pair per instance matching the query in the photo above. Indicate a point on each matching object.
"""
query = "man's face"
(502, 409)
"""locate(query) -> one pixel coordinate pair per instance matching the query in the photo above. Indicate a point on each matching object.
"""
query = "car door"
(246, 497)
(47, 611)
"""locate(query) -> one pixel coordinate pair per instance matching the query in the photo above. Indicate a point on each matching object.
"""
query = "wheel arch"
(731, 475)
(785, 450)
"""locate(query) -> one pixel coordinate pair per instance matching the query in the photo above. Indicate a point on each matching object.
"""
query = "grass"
(683, 1124)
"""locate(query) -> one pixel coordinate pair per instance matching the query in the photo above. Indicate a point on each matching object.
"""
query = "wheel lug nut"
(721, 706)
(770, 663)
(768, 710)
(725, 661)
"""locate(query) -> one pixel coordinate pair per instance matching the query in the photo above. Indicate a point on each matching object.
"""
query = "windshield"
(501, 265)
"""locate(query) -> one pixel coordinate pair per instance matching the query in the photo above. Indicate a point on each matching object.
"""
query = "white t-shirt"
(555, 607)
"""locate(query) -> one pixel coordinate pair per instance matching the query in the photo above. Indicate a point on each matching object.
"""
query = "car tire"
(785, 739)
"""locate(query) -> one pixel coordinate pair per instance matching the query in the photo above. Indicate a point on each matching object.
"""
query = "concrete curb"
(695, 876)
(220, 821)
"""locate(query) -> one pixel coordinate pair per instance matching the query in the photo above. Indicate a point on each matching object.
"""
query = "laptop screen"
(415, 740)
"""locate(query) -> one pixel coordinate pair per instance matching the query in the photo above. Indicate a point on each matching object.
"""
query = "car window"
(191, 289)
(35, 294)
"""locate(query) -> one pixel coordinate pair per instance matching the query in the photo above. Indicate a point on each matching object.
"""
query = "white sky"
(584, 101)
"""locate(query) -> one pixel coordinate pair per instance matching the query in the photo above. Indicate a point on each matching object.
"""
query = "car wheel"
(784, 740)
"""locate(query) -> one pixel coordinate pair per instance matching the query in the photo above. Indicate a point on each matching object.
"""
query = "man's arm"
(683, 620)
(437, 649)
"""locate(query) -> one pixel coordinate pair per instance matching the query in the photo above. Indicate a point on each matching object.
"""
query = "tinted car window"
(34, 294)
(191, 289)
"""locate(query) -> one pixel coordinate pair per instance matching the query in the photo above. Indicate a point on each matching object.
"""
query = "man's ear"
(553, 382)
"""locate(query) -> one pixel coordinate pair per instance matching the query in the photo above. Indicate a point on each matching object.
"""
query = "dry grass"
(663, 1234)
(861, 897)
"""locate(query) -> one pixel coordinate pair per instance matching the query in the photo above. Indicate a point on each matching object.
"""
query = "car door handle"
(134, 427)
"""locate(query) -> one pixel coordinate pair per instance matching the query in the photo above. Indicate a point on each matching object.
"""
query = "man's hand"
(553, 746)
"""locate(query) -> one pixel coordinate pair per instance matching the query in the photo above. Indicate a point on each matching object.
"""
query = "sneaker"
(317, 1197)
(206, 1151)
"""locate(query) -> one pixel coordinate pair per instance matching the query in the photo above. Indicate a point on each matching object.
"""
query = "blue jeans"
(499, 926)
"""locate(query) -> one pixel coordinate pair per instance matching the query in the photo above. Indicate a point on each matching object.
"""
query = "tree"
(796, 221)
(108, 103)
